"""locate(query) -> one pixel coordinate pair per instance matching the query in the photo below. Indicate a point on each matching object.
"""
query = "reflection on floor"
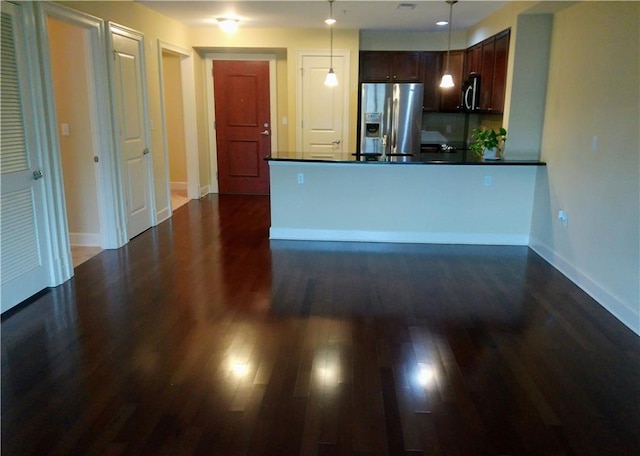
(81, 253)
(178, 198)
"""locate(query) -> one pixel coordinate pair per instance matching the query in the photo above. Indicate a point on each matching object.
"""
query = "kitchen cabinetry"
(431, 74)
(489, 59)
(390, 66)
(450, 98)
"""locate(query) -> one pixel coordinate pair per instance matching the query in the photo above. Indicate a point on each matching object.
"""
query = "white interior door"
(130, 102)
(24, 254)
(324, 110)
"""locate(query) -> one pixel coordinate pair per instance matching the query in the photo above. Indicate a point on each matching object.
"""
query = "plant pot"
(491, 154)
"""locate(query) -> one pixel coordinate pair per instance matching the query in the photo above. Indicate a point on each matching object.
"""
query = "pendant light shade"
(331, 80)
(447, 79)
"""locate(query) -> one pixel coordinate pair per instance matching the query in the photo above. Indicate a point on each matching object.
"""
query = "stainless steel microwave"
(471, 93)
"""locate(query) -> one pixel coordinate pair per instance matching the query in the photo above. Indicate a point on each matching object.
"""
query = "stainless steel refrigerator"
(390, 121)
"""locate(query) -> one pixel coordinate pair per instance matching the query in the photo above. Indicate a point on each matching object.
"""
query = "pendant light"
(447, 79)
(331, 80)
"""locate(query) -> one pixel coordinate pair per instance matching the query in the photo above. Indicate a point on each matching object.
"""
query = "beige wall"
(174, 116)
(69, 69)
(593, 91)
(411, 41)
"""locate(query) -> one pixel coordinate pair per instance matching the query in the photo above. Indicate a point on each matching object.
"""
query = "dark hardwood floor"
(203, 337)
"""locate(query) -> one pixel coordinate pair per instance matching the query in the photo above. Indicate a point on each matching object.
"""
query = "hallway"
(201, 336)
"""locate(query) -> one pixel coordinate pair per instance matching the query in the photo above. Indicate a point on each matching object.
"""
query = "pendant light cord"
(331, 35)
(450, 2)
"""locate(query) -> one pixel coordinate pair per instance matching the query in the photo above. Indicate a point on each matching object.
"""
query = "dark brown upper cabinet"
(450, 98)
(489, 59)
(390, 66)
(431, 74)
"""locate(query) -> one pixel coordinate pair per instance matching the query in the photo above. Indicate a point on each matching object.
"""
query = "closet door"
(24, 257)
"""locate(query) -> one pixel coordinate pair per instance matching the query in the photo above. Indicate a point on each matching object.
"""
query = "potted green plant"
(488, 143)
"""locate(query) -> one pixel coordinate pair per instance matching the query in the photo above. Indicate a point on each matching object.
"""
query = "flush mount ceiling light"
(447, 79)
(406, 6)
(227, 24)
(331, 80)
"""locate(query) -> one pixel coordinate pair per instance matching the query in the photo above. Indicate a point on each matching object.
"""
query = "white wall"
(594, 91)
(402, 203)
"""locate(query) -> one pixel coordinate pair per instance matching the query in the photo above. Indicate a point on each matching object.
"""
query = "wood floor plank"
(202, 336)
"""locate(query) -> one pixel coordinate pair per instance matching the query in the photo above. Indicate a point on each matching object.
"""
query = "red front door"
(243, 125)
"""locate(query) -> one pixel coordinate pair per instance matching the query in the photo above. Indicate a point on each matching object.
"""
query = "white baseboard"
(162, 214)
(85, 239)
(399, 237)
(627, 315)
(178, 186)
(204, 191)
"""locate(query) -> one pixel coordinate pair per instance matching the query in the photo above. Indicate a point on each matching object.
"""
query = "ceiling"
(400, 15)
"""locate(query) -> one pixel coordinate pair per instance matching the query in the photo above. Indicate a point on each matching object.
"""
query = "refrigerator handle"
(394, 125)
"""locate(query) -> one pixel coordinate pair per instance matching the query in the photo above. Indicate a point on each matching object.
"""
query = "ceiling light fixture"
(447, 79)
(227, 24)
(331, 80)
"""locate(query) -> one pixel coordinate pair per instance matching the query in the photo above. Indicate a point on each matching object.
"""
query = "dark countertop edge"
(431, 162)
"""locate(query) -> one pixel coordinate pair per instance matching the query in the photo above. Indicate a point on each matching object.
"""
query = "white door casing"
(129, 91)
(323, 128)
(24, 249)
(190, 124)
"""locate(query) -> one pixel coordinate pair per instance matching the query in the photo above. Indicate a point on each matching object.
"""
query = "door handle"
(37, 175)
(335, 141)
(145, 151)
(265, 133)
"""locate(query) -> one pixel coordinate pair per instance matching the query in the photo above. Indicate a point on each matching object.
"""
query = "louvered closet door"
(24, 262)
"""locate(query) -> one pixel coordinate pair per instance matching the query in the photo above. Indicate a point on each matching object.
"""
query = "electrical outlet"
(65, 129)
(594, 144)
(488, 180)
(448, 128)
(563, 217)
(300, 178)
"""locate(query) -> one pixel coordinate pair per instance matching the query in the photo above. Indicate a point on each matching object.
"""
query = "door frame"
(117, 29)
(108, 184)
(211, 113)
(345, 84)
(190, 121)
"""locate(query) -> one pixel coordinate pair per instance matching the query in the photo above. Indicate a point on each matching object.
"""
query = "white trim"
(398, 236)
(627, 315)
(345, 86)
(85, 239)
(273, 104)
(164, 214)
(206, 189)
(178, 186)
(190, 118)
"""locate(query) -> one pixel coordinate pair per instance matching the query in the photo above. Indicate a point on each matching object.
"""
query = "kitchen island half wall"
(396, 202)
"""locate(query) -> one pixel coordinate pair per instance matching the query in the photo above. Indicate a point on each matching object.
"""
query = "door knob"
(37, 175)
(145, 151)
(335, 141)
(265, 133)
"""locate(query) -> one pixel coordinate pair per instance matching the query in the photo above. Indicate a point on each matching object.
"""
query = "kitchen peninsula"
(418, 202)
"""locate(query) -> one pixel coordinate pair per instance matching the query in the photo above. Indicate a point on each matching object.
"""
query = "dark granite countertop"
(441, 159)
